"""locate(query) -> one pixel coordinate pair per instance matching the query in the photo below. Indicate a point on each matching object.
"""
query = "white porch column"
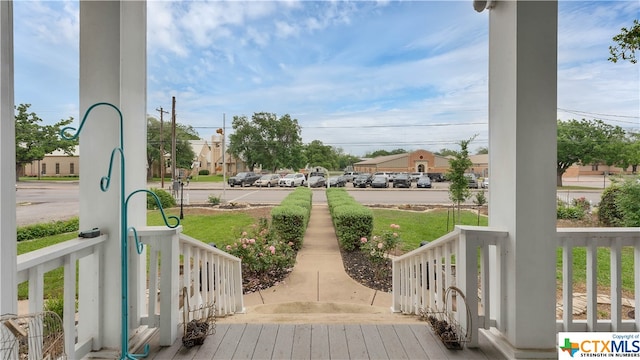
(522, 143)
(8, 295)
(113, 70)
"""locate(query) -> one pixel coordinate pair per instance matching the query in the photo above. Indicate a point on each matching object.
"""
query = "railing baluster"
(592, 288)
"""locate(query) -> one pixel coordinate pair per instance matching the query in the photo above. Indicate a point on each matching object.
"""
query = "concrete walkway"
(318, 286)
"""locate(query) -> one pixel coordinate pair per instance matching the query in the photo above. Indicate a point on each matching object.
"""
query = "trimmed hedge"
(289, 220)
(37, 231)
(351, 220)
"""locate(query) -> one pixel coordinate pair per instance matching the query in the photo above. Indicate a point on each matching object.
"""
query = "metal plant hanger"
(124, 228)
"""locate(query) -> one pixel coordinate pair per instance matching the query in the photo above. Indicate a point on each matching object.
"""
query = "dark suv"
(362, 180)
(402, 180)
(244, 179)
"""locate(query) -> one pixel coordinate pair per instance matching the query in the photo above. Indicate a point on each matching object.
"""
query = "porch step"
(299, 312)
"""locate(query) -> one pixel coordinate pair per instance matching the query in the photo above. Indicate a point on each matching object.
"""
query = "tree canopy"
(34, 141)
(446, 152)
(267, 140)
(628, 41)
(588, 142)
(318, 154)
(384, 153)
(184, 152)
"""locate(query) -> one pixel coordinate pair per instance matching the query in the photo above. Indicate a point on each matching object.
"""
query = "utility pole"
(163, 164)
(224, 163)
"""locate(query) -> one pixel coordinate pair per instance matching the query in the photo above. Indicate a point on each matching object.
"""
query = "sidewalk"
(318, 288)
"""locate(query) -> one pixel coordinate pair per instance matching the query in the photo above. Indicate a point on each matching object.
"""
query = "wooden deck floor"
(322, 341)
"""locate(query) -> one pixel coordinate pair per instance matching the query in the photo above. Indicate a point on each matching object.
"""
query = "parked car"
(380, 181)
(415, 176)
(402, 180)
(292, 180)
(485, 183)
(472, 179)
(267, 180)
(317, 181)
(350, 175)
(437, 177)
(337, 181)
(243, 179)
(383, 173)
(362, 180)
(424, 182)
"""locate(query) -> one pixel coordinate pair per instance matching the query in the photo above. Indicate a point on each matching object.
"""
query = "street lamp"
(181, 200)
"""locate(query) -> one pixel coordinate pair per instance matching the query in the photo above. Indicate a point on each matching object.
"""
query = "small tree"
(480, 200)
(459, 186)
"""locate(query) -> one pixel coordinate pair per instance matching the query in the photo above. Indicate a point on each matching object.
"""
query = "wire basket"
(32, 336)
(199, 320)
(443, 323)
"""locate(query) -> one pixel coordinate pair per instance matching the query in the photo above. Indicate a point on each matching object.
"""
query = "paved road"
(47, 201)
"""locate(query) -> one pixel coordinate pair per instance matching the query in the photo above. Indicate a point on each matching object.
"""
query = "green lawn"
(420, 226)
(225, 227)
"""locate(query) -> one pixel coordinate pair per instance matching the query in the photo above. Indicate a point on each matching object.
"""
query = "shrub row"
(37, 231)
(289, 220)
(351, 220)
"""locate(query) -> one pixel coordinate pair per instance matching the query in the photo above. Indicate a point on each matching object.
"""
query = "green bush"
(352, 222)
(203, 172)
(288, 222)
(628, 203)
(570, 212)
(261, 253)
(37, 231)
(214, 200)
(166, 200)
(608, 212)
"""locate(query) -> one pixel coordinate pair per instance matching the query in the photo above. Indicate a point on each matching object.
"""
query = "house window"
(57, 168)
(72, 169)
(44, 169)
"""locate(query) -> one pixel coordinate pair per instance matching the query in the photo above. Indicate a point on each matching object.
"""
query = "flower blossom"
(395, 226)
(272, 249)
(244, 233)
(380, 245)
(228, 247)
(363, 240)
(395, 234)
(252, 241)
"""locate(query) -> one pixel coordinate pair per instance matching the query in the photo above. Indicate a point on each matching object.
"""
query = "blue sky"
(359, 75)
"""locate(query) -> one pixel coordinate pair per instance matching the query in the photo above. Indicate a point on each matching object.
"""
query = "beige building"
(58, 163)
(232, 165)
(416, 161)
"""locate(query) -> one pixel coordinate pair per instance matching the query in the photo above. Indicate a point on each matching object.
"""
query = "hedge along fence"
(289, 220)
(351, 220)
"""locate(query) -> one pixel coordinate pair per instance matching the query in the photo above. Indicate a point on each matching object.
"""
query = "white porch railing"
(33, 265)
(461, 259)
(592, 239)
(421, 277)
(210, 275)
(169, 262)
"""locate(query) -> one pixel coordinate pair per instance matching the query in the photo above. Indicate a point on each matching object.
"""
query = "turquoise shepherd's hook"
(105, 181)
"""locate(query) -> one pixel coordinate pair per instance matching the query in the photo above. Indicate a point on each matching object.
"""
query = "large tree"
(267, 140)
(184, 152)
(446, 152)
(34, 141)
(318, 154)
(628, 42)
(631, 152)
(588, 142)
(458, 166)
